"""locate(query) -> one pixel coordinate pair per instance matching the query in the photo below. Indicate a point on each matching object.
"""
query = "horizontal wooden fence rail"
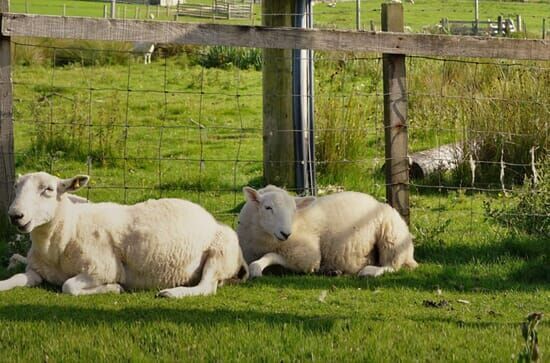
(14, 24)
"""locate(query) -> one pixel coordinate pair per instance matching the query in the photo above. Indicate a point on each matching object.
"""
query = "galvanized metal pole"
(302, 104)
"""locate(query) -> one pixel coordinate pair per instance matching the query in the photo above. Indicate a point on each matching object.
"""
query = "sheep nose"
(16, 217)
(285, 235)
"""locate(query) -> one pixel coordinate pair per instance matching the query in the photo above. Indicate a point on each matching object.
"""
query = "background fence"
(180, 128)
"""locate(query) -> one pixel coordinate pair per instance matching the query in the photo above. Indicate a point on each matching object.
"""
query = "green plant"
(45, 52)
(530, 351)
(223, 57)
(62, 128)
(527, 208)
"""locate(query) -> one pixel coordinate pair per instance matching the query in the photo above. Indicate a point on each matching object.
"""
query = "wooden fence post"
(7, 169)
(357, 15)
(113, 9)
(395, 117)
(278, 137)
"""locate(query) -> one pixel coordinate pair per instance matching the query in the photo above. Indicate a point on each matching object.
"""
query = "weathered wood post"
(7, 169)
(357, 14)
(278, 137)
(113, 9)
(395, 117)
(499, 25)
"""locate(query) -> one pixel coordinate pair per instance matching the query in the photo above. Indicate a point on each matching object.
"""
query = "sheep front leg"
(83, 284)
(29, 278)
(256, 267)
(374, 271)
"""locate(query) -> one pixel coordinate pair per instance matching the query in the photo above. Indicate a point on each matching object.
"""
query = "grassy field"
(115, 121)
(174, 128)
(424, 13)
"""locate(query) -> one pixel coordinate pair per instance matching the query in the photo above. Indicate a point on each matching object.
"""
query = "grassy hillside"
(174, 128)
(423, 13)
(177, 129)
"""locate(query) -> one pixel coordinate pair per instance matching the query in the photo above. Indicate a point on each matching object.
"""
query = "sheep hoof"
(374, 271)
(255, 270)
(165, 293)
(332, 273)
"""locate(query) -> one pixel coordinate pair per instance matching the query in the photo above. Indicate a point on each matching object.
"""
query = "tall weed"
(528, 208)
(223, 57)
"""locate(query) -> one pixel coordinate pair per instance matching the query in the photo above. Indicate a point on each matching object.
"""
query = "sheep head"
(276, 209)
(37, 196)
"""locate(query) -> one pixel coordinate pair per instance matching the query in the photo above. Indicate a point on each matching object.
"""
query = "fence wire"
(178, 129)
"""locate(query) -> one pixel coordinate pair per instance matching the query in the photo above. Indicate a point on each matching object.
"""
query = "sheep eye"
(268, 208)
(49, 189)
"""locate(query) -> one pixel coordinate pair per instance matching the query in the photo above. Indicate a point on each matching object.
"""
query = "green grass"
(424, 13)
(504, 276)
(282, 318)
(127, 115)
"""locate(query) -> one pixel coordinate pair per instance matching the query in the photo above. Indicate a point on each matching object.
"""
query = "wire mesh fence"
(176, 128)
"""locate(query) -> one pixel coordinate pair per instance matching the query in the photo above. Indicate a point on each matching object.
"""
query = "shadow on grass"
(519, 263)
(84, 316)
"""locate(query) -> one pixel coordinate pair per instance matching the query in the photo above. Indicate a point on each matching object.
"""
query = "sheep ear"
(251, 194)
(304, 202)
(72, 184)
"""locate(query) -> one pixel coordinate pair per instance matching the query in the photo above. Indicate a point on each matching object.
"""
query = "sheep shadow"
(194, 317)
(459, 267)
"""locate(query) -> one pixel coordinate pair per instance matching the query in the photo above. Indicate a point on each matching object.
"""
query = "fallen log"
(426, 162)
(442, 158)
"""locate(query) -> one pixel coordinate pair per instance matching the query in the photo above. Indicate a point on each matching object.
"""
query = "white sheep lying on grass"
(348, 232)
(91, 248)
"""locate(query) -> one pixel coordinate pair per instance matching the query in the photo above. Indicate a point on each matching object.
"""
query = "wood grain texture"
(278, 145)
(271, 37)
(395, 117)
(7, 162)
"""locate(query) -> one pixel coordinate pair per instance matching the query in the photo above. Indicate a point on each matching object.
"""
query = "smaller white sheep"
(348, 232)
(145, 48)
(91, 248)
